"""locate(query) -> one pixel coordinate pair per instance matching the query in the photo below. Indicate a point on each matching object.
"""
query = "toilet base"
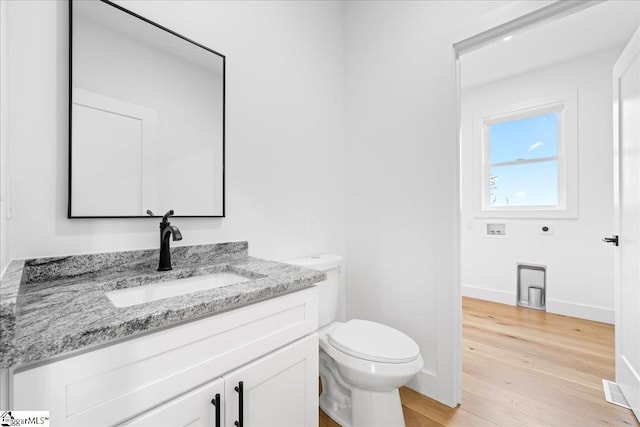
(335, 400)
(352, 406)
(338, 413)
(376, 408)
(370, 409)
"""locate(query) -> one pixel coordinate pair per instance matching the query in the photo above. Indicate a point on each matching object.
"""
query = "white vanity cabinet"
(274, 391)
(170, 377)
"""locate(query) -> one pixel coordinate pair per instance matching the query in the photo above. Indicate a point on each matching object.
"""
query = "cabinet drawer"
(114, 383)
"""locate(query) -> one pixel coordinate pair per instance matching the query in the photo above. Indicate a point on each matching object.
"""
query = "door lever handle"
(613, 240)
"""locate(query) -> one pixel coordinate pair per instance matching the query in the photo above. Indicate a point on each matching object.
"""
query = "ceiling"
(588, 31)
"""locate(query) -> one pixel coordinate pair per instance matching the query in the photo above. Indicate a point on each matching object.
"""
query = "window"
(523, 161)
(528, 162)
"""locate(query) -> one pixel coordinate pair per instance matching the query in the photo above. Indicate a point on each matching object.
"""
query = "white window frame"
(567, 157)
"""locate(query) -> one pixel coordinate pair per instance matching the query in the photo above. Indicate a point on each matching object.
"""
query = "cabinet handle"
(238, 388)
(216, 402)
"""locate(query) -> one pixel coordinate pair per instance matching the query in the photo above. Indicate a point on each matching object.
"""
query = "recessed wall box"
(532, 286)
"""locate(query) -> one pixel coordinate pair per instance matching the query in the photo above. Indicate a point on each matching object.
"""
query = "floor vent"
(613, 394)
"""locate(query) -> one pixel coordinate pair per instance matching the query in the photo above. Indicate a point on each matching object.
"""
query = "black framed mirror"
(146, 117)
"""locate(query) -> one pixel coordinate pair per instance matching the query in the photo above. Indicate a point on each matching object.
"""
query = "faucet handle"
(166, 216)
(149, 212)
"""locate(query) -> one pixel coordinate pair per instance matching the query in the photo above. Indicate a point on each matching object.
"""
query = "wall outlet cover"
(545, 229)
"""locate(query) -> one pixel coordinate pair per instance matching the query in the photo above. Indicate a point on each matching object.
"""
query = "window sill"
(528, 213)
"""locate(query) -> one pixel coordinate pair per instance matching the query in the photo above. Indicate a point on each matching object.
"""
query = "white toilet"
(362, 363)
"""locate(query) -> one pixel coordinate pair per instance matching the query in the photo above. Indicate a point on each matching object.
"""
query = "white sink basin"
(157, 291)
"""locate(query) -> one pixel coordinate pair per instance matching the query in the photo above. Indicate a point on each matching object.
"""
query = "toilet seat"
(373, 342)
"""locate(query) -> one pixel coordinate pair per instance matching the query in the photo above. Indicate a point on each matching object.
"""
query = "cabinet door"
(192, 409)
(278, 390)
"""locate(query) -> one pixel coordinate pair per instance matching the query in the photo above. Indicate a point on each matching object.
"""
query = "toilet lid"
(373, 341)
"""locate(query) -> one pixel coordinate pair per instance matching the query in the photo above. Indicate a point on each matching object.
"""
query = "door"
(278, 390)
(202, 407)
(626, 80)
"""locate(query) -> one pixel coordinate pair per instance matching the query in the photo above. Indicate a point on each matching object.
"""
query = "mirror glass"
(146, 118)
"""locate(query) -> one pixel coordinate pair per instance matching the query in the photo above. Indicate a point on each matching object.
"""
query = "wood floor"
(523, 367)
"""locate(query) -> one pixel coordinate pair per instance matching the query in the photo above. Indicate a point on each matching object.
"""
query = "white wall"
(284, 141)
(402, 172)
(401, 176)
(579, 265)
(4, 120)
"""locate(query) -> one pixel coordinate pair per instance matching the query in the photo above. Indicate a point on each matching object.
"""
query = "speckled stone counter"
(8, 294)
(53, 306)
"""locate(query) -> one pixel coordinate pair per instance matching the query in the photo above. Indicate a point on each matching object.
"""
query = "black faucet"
(167, 229)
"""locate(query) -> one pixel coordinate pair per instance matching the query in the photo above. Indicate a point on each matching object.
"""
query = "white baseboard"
(426, 382)
(489, 294)
(589, 312)
(581, 311)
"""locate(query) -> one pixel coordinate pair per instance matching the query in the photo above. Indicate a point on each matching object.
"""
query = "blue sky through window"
(530, 184)
(529, 138)
(524, 184)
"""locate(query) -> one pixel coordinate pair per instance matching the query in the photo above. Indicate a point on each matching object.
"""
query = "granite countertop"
(52, 306)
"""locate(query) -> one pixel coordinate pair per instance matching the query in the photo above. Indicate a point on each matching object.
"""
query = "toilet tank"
(327, 289)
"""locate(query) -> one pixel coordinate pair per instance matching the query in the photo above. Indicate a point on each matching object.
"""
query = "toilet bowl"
(362, 363)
